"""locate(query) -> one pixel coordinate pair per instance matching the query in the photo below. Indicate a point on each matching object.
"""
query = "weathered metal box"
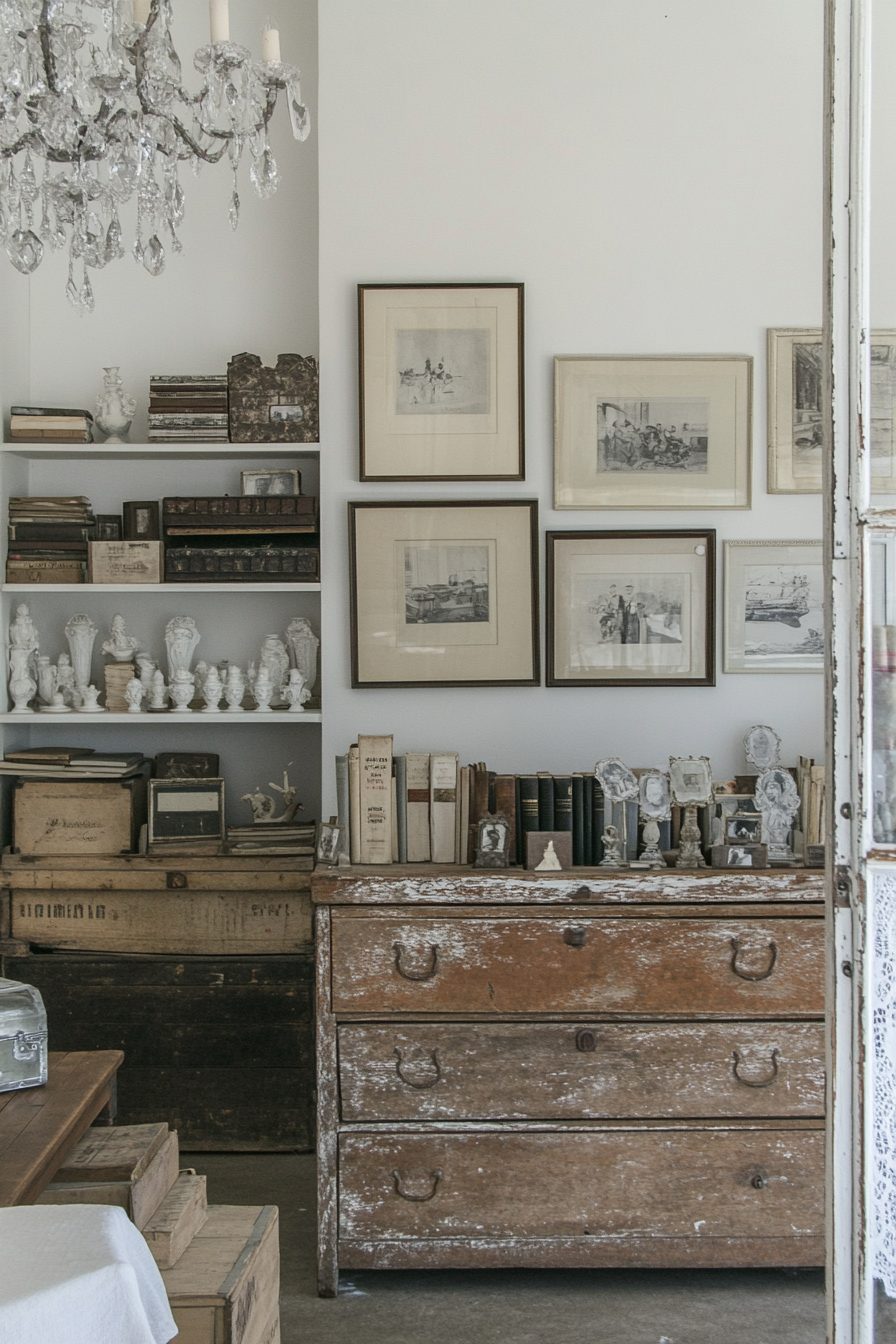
(78, 817)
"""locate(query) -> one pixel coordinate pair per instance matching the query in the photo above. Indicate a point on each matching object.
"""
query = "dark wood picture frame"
(512, 397)
(141, 520)
(519, 638)
(109, 527)
(680, 542)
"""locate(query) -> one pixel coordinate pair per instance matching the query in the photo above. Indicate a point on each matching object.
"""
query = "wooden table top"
(39, 1125)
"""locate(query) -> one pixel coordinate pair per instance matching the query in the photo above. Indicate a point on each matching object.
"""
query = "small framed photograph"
(795, 452)
(286, 414)
(278, 481)
(739, 856)
(634, 608)
(441, 382)
(186, 812)
(329, 839)
(108, 527)
(492, 842)
(141, 520)
(617, 782)
(774, 606)
(743, 830)
(444, 593)
(690, 778)
(548, 851)
(652, 432)
(654, 796)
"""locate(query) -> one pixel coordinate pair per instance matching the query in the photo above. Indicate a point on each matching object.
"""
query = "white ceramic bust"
(296, 692)
(133, 693)
(120, 646)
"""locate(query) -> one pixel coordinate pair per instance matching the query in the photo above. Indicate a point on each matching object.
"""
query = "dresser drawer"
(694, 1184)
(737, 967)
(589, 1071)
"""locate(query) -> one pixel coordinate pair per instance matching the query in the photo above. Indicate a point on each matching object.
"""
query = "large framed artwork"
(633, 608)
(774, 606)
(652, 432)
(794, 411)
(444, 593)
(441, 382)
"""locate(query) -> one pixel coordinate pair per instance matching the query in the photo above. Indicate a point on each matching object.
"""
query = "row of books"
(49, 424)
(48, 537)
(275, 840)
(70, 763)
(188, 408)
(810, 787)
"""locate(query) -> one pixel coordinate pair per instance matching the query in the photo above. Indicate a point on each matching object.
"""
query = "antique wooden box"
(199, 515)
(589, 1069)
(124, 562)
(78, 817)
(278, 405)
(225, 1288)
(242, 564)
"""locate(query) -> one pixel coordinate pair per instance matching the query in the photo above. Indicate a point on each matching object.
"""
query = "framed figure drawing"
(441, 382)
(444, 593)
(650, 432)
(631, 608)
(774, 616)
(794, 411)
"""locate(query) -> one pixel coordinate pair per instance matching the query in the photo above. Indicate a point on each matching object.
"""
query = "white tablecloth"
(78, 1274)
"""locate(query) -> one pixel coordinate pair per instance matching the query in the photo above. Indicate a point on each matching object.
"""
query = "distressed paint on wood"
(516, 1070)
(327, 1115)
(432, 884)
(539, 965)
(711, 1184)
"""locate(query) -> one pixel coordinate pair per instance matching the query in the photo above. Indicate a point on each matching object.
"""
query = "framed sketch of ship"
(794, 411)
(652, 432)
(441, 382)
(632, 608)
(774, 592)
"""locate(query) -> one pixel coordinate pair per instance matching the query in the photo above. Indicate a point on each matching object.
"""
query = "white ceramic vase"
(81, 634)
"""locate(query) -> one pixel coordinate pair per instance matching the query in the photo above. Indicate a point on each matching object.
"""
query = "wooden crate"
(83, 818)
(195, 906)
(225, 1288)
(177, 1220)
(140, 1195)
(220, 1047)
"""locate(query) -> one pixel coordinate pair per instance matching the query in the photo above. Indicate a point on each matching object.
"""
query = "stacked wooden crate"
(220, 1263)
(200, 969)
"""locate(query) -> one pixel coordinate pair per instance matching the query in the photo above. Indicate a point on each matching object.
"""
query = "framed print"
(441, 382)
(774, 606)
(632, 608)
(794, 411)
(274, 481)
(141, 520)
(652, 432)
(444, 592)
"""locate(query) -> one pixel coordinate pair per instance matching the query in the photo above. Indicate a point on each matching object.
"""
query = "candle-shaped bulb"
(141, 11)
(270, 44)
(219, 20)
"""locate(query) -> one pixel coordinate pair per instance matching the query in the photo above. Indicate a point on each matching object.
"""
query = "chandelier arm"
(43, 29)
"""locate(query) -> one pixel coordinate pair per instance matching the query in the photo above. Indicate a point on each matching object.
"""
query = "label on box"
(125, 562)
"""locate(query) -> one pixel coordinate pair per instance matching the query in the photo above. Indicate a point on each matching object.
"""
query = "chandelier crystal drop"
(93, 113)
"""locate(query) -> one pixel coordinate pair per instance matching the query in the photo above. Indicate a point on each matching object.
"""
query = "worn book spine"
(479, 801)
(443, 806)
(354, 799)
(505, 801)
(518, 814)
(528, 807)
(50, 531)
(401, 808)
(545, 801)
(375, 773)
(466, 833)
(342, 805)
(394, 789)
(587, 819)
(419, 846)
(597, 822)
(562, 803)
(578, 820)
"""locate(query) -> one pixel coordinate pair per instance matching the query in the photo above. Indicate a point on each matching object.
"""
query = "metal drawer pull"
(583, 893)
(759, 1180)
(575, 937)
(398, 949)
(434, 1176)
(759, 1082)
(586, 1041)
(176, 881)
(753, 975)
(421, 1087)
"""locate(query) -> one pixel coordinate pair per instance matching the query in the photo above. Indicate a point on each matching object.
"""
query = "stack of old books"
(188, 408)
(274, 839)
(48, 536)
(47, 424)
(70, 763)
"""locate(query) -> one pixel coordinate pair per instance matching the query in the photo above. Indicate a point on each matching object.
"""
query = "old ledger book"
(419, 849)
(375, 770)
(354, 799)
(443, 805)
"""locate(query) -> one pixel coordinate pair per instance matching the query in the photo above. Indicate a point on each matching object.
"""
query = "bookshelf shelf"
(35, 589)
(160, 450)
(75, 720)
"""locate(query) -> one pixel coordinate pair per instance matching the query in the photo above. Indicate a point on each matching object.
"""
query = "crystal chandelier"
(100, 101)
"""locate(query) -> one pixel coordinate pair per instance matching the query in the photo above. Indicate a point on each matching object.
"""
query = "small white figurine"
(90, 700)
(81, 633)
(181, 638)
(65, 678)
(275, 659)
(120, 645)
(23, 647)
(133, 693)
(296, 693)
(145, 668)
(57, 705)
(181, 688)
(212, 690)
(549, 860)
(200, 672)
(263, 691)
(158, 691)
(263, 805)
(234, 689)
(46, 679)
(22, 688)
(612, 850)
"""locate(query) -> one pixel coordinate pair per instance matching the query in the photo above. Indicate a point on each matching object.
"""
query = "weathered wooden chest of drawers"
(587, 1069)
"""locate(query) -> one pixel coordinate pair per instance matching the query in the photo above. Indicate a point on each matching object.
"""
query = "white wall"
(652, 171)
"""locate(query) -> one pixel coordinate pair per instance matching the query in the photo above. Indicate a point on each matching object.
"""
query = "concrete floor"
(512, 1306)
